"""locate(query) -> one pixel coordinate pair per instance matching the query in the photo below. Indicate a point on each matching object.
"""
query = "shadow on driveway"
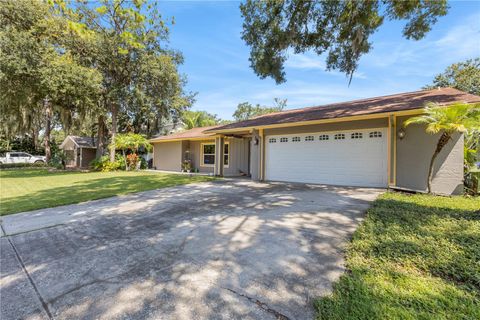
(218, 250)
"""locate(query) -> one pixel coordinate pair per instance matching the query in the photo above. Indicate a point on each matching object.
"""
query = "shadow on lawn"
(410, 261)
(442, 241)
(93, 189)
(31, 173)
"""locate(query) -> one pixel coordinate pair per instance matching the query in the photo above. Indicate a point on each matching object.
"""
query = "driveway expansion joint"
(19, 259)
(260, 304)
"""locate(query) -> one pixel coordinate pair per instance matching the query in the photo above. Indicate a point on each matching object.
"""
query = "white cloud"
(305, 61)
(463, 40)
(401, 57)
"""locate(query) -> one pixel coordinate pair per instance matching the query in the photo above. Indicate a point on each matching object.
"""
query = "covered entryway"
(349, 158)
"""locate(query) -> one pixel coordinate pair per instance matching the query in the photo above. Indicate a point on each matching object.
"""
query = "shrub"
(104, 164)
(21, 165)
(143, 163)
(132, 160)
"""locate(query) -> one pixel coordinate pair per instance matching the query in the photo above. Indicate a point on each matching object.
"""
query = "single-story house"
(355, 143)
(80, 151)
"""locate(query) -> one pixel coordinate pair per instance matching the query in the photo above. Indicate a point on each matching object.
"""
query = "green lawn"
(23, 190)
(414, 257)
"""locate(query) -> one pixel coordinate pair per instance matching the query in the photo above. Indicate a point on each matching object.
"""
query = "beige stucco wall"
(168, 156)
(413, 157)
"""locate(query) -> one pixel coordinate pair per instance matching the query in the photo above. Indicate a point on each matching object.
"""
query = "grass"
(414, 257)
(30, 189)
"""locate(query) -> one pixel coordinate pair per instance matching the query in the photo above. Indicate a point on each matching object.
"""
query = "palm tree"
(129, 141)
(459, 117)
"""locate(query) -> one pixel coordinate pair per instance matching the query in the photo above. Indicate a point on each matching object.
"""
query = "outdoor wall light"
(401, 133)
(255, 141)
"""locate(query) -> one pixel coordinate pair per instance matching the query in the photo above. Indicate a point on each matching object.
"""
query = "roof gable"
(81, 142)
(195, 133)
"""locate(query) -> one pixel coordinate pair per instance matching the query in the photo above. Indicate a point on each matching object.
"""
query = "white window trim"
(228, 155)
(202, 163)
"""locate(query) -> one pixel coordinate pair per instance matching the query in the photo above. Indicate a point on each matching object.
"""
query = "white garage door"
(348, 158)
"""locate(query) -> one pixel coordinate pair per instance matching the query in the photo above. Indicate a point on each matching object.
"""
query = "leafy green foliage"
(247, 111)
(414, 257)
(195, 119)
(459, 117)
(127, 43)
(341, 29)
(130, 141)
(42, 83)
(464, 76)
(104, 164)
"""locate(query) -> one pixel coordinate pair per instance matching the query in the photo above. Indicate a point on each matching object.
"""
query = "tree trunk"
(34, 139)
(444, 138)
(100, 136)
(48, 126)
(125, 159)
(114, 130)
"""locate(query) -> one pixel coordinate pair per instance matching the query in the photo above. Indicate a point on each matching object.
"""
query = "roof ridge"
(348, 101)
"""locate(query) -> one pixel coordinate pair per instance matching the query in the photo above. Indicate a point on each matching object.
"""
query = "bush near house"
(414, 257)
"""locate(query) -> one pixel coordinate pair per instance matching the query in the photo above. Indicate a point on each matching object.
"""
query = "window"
(296, 139)
(272, 140)
(309, 138)
(323, 137)
(226, 154)
(357, 135)
(208, 154)
(283, 139)
(339, 136)
(375, 134)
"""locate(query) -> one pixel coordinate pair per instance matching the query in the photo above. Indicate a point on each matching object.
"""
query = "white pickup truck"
(21, 157)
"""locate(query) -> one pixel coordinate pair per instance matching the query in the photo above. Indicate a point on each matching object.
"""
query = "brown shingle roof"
(194, 133)
(391, 103)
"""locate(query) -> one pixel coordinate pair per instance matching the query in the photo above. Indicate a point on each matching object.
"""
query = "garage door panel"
(356, 162)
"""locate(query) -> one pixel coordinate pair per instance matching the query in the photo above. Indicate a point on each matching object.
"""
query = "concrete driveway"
(221, 250)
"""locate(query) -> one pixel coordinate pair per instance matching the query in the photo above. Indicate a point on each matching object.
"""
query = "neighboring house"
(355, 143)
(80, 151)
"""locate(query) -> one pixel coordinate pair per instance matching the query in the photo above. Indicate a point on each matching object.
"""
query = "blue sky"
(217, 66)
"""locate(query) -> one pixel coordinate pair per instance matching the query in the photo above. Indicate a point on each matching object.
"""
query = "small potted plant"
(186, 166)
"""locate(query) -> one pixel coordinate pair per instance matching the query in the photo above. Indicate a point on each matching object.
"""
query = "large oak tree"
(127, 41)
(341, 29)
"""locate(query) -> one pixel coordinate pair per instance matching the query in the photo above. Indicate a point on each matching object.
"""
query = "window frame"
(356, 135)
(226, 154)
(202, 155)
(324, 137)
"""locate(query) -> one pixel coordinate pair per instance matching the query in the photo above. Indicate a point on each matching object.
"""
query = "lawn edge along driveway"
(26, 190)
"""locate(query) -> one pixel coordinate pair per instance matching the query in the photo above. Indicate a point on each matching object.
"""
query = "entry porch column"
(219, 155)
